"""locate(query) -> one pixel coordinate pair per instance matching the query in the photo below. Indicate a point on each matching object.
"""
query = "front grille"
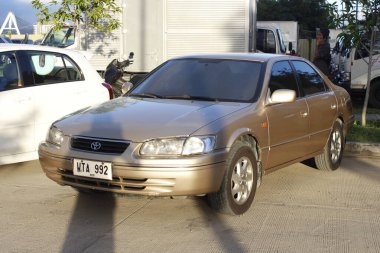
(99, 145)
(117, 183)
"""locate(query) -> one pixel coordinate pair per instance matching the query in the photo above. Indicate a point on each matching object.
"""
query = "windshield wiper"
(144, 95)
(188, 97)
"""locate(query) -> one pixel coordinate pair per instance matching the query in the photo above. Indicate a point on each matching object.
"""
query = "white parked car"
(39, 85)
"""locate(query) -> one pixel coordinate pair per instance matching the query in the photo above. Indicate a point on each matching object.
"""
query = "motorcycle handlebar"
(127, 62)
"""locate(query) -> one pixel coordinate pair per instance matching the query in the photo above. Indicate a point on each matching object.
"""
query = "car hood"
(143, 119)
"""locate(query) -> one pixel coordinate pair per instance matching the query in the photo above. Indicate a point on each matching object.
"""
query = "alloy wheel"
(242, 180)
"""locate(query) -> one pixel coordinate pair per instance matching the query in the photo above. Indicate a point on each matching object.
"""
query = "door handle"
(333, 106)
(304, 114)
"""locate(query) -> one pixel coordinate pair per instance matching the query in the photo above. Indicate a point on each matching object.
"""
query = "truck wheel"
(238, 188)
(374, 94)
(332, 154)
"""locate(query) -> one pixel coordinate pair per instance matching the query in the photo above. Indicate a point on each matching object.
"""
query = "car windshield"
(61, 38)
(203, 79)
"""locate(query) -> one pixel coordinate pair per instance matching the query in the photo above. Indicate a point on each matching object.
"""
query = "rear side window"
(311, 82)
(50, 68)
(282, 77)
(9, 72)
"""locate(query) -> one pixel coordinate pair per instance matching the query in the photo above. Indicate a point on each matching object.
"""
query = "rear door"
(17, 109)
(321, 102)
(288, 122)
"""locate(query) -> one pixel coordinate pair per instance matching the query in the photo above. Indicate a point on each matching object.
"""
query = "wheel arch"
(251, 140)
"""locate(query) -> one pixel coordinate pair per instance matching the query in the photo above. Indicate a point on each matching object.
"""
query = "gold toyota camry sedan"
(203, 124)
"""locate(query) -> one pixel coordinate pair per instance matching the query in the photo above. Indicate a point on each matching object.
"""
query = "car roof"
(260, 57)
(8, 47)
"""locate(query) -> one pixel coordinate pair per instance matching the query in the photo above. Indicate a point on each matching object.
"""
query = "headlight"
(178, 146)
(163, 147)
(55, 136)
(197, 145)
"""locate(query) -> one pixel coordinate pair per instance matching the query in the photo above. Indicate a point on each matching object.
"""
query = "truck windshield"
(61, 38)
(203, 79)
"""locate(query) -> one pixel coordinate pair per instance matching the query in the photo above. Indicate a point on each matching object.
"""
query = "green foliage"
(94, 14)
(369, 133)
(310, 14)
(356, 31)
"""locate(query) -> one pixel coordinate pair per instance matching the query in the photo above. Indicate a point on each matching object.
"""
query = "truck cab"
(354, 71)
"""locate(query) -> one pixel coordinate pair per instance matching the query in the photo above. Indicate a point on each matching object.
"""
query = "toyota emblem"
(96, 145)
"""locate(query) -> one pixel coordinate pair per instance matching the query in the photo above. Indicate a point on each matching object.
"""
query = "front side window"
(204, 79)
(311, 82)
(9, 72)
(51, 68)
(266, 41)
(282, 77)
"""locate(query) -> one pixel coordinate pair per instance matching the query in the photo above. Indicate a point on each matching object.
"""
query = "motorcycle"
(114, 74)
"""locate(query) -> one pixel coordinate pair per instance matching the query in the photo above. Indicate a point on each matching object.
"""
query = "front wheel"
(332, 154)
(374, 94)
(238, 188)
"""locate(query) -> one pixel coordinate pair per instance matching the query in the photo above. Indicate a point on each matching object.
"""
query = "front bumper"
(160, 180)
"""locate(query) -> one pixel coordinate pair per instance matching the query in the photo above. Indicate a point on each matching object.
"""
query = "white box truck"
(157, 30)
(353, 70)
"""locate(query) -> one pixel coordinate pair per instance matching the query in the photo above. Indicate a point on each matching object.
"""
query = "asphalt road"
(297, 209)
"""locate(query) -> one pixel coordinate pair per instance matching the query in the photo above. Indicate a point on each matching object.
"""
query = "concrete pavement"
(362, 149)
(297, 209)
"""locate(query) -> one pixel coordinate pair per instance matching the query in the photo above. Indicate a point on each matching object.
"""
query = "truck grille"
(99, 145)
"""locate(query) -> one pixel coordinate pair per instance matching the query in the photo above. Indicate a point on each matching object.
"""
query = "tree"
(360, 34)
(310, 14)
(93, 14)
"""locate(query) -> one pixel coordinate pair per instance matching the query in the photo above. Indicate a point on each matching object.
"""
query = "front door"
(289, 122)
(17, 110)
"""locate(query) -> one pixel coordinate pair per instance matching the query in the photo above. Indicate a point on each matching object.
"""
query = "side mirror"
(126, 87)
(290, 46)
(282, 96)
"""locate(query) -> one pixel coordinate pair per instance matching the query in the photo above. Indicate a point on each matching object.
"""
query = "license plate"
(93, 169)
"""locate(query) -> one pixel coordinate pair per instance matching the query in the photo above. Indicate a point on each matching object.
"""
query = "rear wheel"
(238, 188)
(332, 154)
(374, 94)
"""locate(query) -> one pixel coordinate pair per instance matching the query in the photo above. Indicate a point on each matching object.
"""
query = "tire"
(374, 94)
(332, 154)
(238, 187)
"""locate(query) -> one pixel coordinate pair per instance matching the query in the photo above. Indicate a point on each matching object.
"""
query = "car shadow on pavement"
(217, 222)
(364, 168)
(92, 220)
